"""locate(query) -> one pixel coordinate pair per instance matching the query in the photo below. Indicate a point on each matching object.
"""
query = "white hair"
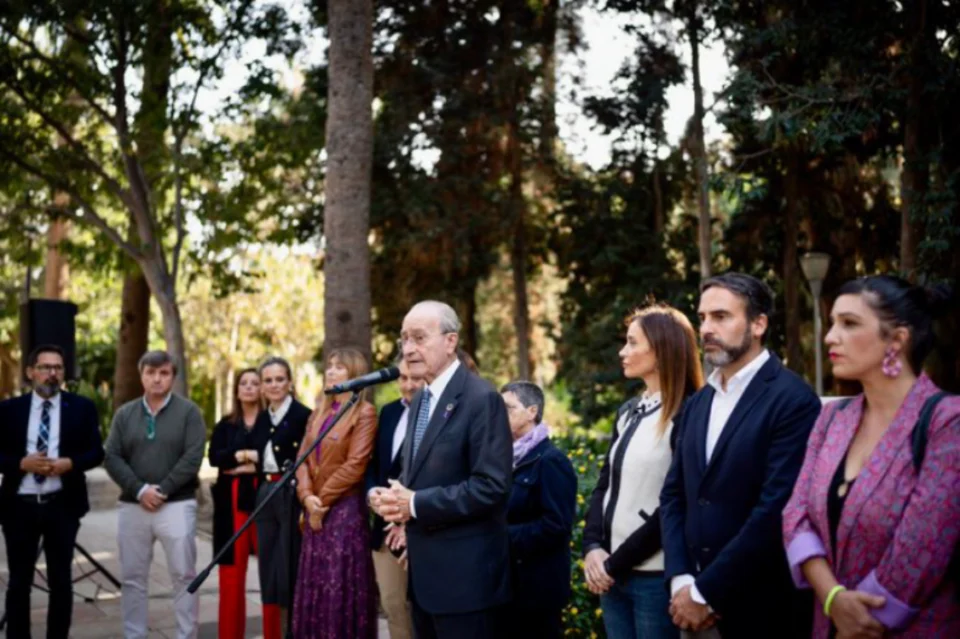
(449, 322)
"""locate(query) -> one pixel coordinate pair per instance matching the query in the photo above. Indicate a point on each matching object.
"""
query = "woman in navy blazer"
(540, 514)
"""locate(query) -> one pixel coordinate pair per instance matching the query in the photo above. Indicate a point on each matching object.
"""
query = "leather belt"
(272, 477)
(39, 498)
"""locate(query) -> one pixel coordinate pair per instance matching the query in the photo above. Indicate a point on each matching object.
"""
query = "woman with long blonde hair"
(335, 594)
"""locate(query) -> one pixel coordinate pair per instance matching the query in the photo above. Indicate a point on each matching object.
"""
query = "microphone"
(370, 379)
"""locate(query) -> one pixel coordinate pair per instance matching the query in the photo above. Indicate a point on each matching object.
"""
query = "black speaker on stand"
(49, 322)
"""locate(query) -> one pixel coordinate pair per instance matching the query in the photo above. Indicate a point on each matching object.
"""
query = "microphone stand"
(288, 475)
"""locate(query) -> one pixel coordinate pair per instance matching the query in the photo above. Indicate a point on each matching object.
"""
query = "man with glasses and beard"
(742, 441)
(48, 440)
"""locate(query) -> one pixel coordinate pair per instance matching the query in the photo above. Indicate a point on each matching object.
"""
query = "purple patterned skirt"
(336, 589)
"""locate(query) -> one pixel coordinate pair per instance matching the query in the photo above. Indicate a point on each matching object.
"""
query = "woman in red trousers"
(233, 450)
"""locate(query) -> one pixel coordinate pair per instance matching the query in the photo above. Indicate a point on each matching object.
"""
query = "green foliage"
(582, 616)
(613, 262)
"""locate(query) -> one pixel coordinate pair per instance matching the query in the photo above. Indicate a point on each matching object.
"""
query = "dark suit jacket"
(285, 436)
(540, 514)
(79, 440)
(458, 545)
(382, 467)
(725, 517)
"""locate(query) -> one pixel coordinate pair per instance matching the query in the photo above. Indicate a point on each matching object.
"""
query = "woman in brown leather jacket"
(336, 592)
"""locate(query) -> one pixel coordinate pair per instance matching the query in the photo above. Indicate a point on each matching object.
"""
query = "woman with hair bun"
(279, 433)
(874, 519)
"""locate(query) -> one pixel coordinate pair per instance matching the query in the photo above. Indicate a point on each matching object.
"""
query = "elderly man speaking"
(454, 486)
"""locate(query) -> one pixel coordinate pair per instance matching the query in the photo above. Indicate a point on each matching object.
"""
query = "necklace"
(844, 487)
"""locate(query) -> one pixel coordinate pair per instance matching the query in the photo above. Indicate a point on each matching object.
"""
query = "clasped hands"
(687, 614)
(595, 571)
(247, 460)
(315, 511)
(393, 503)
(40, 464)
(152, 498)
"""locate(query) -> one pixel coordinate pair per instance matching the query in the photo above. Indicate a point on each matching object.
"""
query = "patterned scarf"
(528, 442)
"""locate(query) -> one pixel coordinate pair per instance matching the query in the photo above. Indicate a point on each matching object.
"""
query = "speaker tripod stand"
(97, 567)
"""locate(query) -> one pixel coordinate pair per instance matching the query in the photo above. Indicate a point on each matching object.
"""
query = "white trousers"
(175, 526)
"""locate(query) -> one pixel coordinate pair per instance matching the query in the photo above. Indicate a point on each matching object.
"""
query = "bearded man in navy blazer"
(48, 440)
(457, 471)
(741, 444)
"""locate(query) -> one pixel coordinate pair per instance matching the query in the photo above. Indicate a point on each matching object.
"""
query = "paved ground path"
(101, 618)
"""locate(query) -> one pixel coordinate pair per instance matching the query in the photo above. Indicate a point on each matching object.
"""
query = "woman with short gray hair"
(540, 514)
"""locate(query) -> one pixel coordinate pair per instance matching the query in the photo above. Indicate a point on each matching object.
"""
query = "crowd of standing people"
(736, 504)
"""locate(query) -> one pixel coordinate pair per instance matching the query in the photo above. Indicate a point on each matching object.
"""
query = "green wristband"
(830, 597)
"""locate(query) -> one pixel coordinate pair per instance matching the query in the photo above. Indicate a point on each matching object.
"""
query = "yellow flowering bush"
(582, 617)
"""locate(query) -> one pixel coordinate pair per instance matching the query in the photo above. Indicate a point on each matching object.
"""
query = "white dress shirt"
(725, 399)
(436, 392)
(29, 485)
(400, 432)
(270, 464)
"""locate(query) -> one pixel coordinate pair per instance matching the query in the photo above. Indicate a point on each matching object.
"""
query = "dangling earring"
(891, 363)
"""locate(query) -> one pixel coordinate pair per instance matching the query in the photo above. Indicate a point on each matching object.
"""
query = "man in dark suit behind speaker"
(386, 464)
(457, 469)
(48, 440)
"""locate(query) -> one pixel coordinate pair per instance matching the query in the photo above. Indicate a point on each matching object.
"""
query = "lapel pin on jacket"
(449, 409)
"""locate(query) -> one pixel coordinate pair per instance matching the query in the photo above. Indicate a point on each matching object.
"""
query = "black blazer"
(458, 545)
(79, 440)
(285, 436)
(381, 467)
(228, 437)
(540, 514)
(725, 517)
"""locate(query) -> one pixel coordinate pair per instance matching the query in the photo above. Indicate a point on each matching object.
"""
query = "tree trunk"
(173, 334)
(548, 54)
(791, 275)
(162, 288)
(132, 337)
(467, 310)
(55, 271)
(9, 371)
(698, 150)
(150, 127)
(915, 174)
(518, 263)
(349, 134)
(659, 217)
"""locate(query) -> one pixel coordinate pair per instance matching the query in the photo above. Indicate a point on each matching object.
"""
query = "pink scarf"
(528, 442)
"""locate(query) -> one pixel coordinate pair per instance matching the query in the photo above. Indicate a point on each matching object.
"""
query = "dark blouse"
(835, 504)
(835, 501)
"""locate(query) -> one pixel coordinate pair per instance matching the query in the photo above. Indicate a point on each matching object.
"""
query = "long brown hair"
(356, 365)
(674, 344)
(236, 414)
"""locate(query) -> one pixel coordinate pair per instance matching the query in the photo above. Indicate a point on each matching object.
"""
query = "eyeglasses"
(418, 339)
(49, 368)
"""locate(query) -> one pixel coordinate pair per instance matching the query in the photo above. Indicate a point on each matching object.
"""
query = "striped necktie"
(43, 439)
(423, 418)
